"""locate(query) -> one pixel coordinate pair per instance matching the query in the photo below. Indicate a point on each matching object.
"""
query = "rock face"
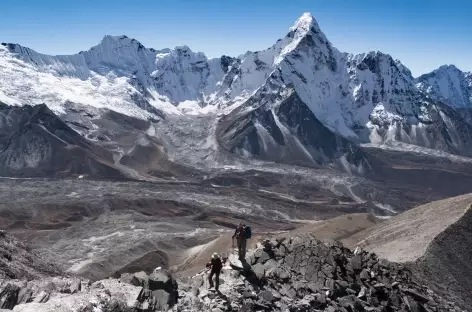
(280, 127)
(35, 142)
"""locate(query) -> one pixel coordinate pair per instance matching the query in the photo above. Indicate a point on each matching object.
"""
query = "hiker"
(242, 233)
(216, 265)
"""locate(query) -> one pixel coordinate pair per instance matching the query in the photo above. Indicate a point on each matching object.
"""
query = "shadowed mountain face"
(35, 142)
(280, 127)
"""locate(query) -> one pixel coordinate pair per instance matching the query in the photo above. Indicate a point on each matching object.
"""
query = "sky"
(422, 34)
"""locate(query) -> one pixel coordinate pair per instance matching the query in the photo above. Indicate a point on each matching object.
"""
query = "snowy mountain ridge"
(448, 84)
(368, 98)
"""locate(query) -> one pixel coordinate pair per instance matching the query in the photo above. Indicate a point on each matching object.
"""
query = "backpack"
(247, 232)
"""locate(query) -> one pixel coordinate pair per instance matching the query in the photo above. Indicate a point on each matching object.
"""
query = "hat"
(215, 255)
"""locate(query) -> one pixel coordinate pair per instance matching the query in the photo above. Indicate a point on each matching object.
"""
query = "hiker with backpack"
(216, 265)
(242, 234)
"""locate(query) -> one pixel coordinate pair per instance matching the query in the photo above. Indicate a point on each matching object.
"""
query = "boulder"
(161, 279)
(418, 296)
(259, 270)
(8, 295)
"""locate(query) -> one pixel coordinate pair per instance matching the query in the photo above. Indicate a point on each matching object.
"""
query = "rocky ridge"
(285, 274)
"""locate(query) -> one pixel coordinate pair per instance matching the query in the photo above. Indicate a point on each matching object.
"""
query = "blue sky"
(423, 34)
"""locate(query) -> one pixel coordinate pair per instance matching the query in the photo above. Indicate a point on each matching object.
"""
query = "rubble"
(292, 274)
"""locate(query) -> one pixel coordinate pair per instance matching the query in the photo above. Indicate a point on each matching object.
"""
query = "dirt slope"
(446, 263)
(339, 227)
(406, 237)
(193, 260)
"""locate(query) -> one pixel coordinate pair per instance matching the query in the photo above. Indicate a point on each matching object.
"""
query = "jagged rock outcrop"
(285, 274)
(138, 292)
(304, 274)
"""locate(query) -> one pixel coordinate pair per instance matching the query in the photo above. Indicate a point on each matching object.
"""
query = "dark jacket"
(240, 233)
(216, 264)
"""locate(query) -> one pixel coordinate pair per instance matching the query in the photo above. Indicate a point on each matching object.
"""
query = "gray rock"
(129, 278)
(315, 278)
(75, 286)
(162, 279)
(25, 295)
(418, 296)
(356, 262)
(287, 290)
(143, 279)
(362, 293)
(346, 302)
(330, 309)
(162, 299)
(412, 305)
(266, 296)
(276, 294)
(258, 270)
(364, 275)
(8, 295)
(264, 257)
(330, 284)
(271, 263)
(278, 273)
(315, 286)
(42, 297)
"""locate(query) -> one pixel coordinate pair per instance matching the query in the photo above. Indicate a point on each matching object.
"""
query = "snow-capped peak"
(448, 84)
(122, 38)
(305, 23)
(183, 48)
(347, 93)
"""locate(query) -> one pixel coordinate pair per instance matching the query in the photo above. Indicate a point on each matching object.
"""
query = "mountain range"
(299, 101)
(122, 158)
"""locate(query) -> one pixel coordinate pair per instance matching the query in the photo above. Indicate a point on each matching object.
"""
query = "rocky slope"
(435, 237)
(285, 274)
(35, 142)
(446, 262)
(18, 261)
